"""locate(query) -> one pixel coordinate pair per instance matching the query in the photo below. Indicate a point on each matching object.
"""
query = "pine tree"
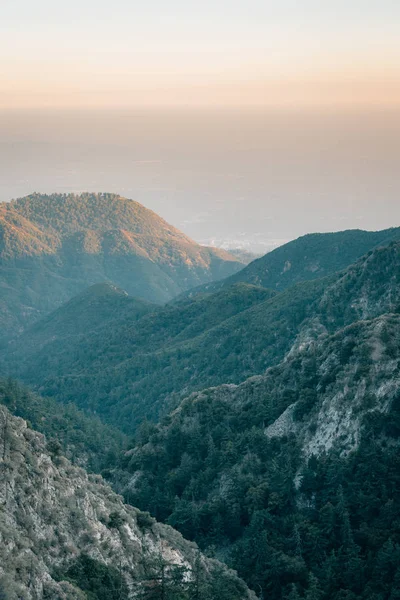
(314, 591)
(395, 588)
(298, 546)
(162, 579)
(293, 594)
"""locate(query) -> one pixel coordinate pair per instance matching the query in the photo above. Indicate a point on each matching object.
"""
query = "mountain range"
(306, 258)
(257, 414)
(127, 368)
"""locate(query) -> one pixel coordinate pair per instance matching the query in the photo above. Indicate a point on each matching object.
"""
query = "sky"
(254, 53)
(243, 123)
(248, 178)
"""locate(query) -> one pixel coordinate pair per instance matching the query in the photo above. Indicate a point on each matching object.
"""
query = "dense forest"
(131, 367)
(309, 257)
(296, 523)
(84, 439)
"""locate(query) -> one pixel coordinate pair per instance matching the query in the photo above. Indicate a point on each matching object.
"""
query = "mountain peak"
(63, 243)
(68, 213)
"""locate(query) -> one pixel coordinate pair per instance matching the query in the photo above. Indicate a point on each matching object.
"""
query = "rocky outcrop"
(357, 372)
(52, 512)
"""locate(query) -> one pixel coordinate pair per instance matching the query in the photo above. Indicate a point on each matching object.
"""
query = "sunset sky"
(124, 53)
(246, 122)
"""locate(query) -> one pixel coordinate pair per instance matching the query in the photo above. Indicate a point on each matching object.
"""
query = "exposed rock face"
(52, 512)
(320, 397)
(357, 372)
(334, 380)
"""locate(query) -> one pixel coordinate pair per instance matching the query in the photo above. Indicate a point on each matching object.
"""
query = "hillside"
(309, 257)
(53, 247)
(138, 368)
(84, 440)
(95, 308)
(67, 535)
(287, 468)
(124, 369)
(293, 476)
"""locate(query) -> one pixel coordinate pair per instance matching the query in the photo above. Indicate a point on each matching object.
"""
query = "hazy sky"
(127, 53)
(285, 120)
(238, 177)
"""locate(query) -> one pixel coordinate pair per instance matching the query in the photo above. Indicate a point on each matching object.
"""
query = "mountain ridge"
(276, 446)
(142, 368)
(54, 246)
(265, 462)
(308, 257)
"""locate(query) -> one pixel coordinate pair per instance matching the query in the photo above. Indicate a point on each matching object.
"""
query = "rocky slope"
(54, 517)
(292, 477)
(319, 396)
(52, 247)
(301, 462)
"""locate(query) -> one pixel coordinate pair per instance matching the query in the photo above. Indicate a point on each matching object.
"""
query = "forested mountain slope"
(287, 468)
(293, 476)
(97, 307)
(84, 439)
(66, 535)
(308, 257)
(143, 367)
(53, 247)
(127, 367)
